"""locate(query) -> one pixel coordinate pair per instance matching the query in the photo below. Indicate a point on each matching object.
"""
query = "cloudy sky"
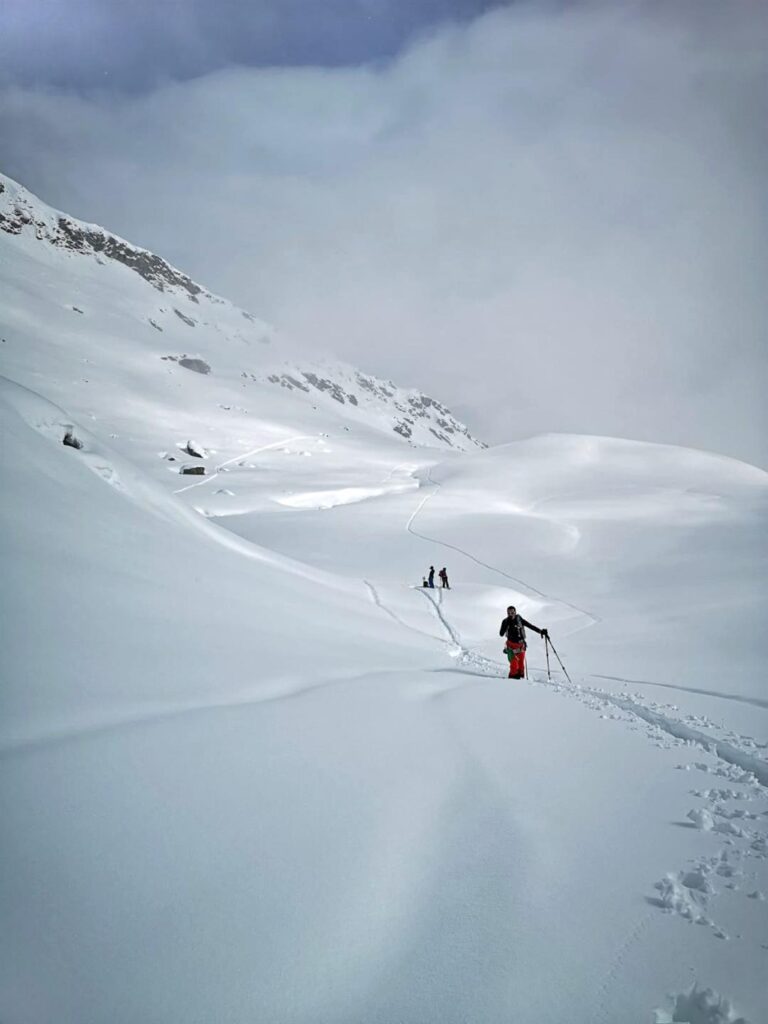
(552, 216)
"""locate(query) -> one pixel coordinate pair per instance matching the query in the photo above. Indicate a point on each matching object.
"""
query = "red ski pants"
(516, 655)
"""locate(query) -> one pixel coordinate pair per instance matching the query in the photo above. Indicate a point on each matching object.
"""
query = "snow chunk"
(193, 448)
(676, 897)
(702, 819)
(729, 829)
(700, 1006)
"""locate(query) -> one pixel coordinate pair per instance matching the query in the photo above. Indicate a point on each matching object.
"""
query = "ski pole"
(562, 666)
(546, 650)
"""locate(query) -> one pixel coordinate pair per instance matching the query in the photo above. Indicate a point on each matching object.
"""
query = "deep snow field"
(253, 772)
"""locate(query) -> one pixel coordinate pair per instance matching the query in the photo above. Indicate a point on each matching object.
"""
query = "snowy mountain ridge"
(20, 210)
(217, 332)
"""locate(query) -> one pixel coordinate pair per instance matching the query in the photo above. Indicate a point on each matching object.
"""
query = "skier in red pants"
(513, 627)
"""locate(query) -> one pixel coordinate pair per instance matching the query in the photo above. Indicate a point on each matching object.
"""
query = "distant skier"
(513, 627)
(432, 576)
(443, 574)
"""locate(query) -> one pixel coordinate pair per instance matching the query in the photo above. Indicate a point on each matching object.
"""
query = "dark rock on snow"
(198, 365)
(70, 440)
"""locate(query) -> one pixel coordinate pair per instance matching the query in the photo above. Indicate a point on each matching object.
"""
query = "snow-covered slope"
(253, 771)
(90, 314)
(652, 558)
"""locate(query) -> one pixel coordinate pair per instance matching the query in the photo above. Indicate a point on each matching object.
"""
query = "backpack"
(516, 630)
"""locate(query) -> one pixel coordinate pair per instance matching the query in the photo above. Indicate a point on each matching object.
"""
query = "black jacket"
(514, 628)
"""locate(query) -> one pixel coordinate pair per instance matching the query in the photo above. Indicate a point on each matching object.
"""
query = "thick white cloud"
(551, 220)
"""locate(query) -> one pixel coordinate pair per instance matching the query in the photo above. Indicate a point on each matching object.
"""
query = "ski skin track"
(455, 639)
(737, 698)
(396, 618)
(594, 619)
(244, 455)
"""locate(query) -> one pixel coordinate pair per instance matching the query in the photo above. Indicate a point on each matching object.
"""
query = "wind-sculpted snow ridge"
(185, 325)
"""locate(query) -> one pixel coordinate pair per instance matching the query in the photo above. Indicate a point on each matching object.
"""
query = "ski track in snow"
(396, 618)
(679, 730)
(754, 701)
(617, 966)
(244, 455)
(444, 622)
